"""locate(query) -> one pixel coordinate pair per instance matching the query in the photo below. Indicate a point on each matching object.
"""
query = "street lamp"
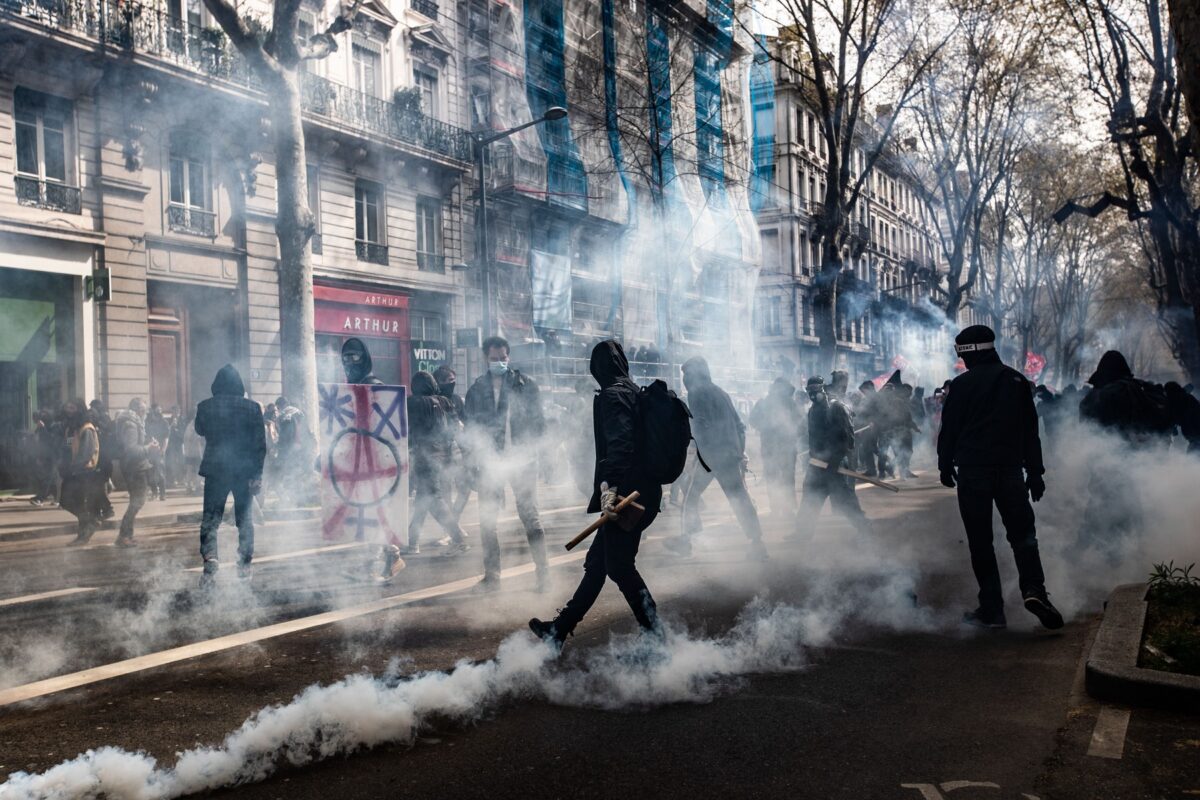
(481, 140)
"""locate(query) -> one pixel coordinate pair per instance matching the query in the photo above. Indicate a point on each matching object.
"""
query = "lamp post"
(480, 142)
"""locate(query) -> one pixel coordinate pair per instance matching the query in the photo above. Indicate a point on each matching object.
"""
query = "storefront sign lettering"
(371, 325)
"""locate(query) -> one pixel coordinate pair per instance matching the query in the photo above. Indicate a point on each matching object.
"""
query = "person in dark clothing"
(356, 362)
(777, 419)
(839, 384)
(989, 435)
(235, 446)
(504, 422)
(460, 475)
(721, 443)
(104, 429)
(48, 439)
(137, 463)
(830, 439)
(80, 458)
(618, 472)
(1185, 412)
(866, 413)
(1120, 403)
(294, 452)
(430, 446)
(157, 429)
(173, 456)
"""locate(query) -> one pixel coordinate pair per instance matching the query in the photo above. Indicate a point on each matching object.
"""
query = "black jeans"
(216, 492)
(819, 484)
(612, 555)
(733, 482)
(138, 484)
(978, 489)
(429, 498)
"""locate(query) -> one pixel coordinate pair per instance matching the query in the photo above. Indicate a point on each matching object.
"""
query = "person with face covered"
(830, 439)
(989, 436)
(721, 442)
(430, 446)
(461, 480)
(618, 471)
(504, 423)
(777, 419)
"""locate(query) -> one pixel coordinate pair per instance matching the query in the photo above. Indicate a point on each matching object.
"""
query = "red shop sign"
(353, 312)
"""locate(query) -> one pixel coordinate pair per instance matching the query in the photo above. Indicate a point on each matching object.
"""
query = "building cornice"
(42, 230)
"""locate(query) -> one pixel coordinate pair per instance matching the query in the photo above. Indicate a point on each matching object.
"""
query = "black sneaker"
(977, 618)
(1038, 604)
(547, 633)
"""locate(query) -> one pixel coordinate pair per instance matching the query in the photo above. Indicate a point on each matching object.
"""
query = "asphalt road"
(883, 694)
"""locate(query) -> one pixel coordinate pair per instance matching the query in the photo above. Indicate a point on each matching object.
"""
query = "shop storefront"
(380, 318)
(37, 345)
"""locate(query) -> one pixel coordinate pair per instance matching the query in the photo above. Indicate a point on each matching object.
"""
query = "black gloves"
(948, 477)
(1036, 487)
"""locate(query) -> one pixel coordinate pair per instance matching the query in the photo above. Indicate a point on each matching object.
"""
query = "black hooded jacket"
(429, 431)
(1122, 403)
(615, 427)
(989, 419)
(520, 407)
(718, 430)
(361, 372)
(235, 442)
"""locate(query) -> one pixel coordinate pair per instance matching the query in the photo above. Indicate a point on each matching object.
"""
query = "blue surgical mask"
(497, 367)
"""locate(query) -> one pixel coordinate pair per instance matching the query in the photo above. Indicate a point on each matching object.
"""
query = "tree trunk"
(294, 227)
(825, 303)
(1185, 25)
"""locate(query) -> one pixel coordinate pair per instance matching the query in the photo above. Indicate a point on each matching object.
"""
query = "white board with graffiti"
(364, 463)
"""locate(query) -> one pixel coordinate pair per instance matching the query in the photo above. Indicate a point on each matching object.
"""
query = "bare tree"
(1131, 71)
(276, 56)
(1185, 25)
(856, 52)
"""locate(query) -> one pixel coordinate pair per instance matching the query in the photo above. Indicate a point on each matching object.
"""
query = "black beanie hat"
(975, 338)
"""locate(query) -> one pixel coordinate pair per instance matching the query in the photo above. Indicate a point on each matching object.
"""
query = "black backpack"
(664, 432)
(1151, 411)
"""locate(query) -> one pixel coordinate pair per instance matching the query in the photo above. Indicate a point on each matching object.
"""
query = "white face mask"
(497, 367)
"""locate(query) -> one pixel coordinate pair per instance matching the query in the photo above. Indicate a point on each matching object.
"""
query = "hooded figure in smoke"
(356, 361)
(430, 446)
(989, 434)
(777, 419)
(1136, 409)
(617, 472)
(235, 446)
(866, 413)
(831, 440)
(721, 443)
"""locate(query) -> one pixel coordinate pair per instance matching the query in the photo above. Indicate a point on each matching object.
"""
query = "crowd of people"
(986, 426)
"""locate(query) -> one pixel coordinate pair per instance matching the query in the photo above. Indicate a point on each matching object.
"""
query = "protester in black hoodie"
(356, 362)
(989, 434)
(777, 419)
(235, 445)
(618, 472)
(721, 443)
(430, 446)
(460, 472)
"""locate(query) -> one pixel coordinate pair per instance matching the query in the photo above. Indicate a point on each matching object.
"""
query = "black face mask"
(446, 389)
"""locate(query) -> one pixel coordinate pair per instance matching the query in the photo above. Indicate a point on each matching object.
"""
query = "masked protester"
(777, 419)
(79, 468)
(989, 435)
(831, 440)
(137, 463)
(430, 443)
(504, 423)
(617, 473)
(235, 447)
(356, 362)
(461, 478)
(865, 416)
(721, 443)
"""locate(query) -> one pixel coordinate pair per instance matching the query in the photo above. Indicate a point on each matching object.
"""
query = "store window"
(190, 189)
(45, 152)
(429, 235)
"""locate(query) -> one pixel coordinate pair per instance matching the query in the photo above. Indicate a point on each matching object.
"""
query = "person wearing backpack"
(430, 446)
(79, 466)
(623, 456)
(137, 453)
(721, 446)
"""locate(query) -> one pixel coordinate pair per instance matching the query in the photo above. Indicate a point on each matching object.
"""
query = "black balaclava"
(1112, 367)
(976, 345)
(816, 390)
(608, 363)
(696, 373)
(356, 373)
(446, 380)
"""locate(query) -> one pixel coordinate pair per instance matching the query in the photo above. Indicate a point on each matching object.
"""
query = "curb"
(1112, 672)
(146, 521)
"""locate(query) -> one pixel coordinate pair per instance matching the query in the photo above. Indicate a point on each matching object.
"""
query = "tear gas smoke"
(361, 711)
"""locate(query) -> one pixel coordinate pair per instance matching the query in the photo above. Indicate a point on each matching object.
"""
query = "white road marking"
(32, 598)
(30, 691)
(1108, 737)
(296, 554)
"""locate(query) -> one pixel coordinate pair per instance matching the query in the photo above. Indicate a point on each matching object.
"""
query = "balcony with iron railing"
(191, 220)
(371, 252)
(156, 32)
(49, 195)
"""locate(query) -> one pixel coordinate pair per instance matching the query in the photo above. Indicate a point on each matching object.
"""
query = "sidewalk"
(19, 520)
